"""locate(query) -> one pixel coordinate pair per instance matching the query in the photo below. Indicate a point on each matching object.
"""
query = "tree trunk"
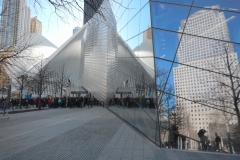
(238, 117)
(61, 92)
(228, 136)
(20, 100)
(229, 142)
(39, 102)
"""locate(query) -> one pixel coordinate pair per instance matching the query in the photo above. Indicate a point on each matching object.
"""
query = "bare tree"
(41, 76)
(20, 84)
(64, 10)
(225, 94)
(62, 78)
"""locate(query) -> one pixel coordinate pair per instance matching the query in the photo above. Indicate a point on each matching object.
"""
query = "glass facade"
(169, 68)
(196, 53)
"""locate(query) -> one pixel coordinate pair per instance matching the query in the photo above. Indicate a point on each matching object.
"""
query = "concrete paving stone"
(102, 157)
(115, 139)
(127, 153)
(126, 158)
(125, 133)
(188, 156)
(121, 143)
(111, 145)
(137, 153)
(148, 153)
(116, 154)
(86, 141)
(74, 134)
(129, 146)
(130, 140)
(171, 155)
(137, 158)
(138, 144)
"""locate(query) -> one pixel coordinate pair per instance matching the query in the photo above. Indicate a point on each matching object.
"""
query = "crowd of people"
(133, 102)
(64, 102)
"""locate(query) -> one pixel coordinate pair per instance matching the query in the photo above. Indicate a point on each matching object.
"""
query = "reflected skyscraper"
(191, 82)
(15, 22)
(77, 28)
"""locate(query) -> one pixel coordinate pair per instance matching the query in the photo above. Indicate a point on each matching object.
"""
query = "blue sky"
(55, 29)
(58, 30)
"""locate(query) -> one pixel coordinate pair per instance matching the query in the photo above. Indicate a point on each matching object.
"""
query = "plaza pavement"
(81, 133)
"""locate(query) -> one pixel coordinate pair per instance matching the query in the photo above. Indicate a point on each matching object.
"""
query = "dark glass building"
(90, 8)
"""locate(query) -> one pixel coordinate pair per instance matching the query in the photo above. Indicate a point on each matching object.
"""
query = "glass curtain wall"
(196, 48)
(135, 99)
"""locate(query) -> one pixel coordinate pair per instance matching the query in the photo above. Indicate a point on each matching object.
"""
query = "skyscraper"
(15, 22)
(36, 26)
(198, 52)
(147, 34)
(90, 8)
(77, 28)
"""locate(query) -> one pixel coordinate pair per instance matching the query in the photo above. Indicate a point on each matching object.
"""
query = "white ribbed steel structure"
(98, 60)
(37, 49)
(100, 52)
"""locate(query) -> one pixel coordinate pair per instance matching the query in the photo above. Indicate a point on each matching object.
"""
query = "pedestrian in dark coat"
(6, 105)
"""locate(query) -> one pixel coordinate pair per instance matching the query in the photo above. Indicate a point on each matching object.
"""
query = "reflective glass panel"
(185, 2)
(214, 24)
(230, 5)
(145, 19)
(133, 26)
(168, 16)
(165, 44)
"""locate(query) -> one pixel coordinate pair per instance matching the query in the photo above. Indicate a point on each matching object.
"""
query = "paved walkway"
(81, 133)
(18, 110)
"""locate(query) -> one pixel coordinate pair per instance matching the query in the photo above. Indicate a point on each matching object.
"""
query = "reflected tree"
(41, 76)
(61, 79)
(225, 94)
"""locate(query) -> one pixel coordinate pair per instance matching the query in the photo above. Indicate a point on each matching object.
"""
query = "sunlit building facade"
(194, 83)
(15, 23)
(36, 26)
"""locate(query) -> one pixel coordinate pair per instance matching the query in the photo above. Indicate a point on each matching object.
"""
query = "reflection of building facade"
(193, 83)
(90, 8)
(4, 77)
(101, 70)
(99, 61)
(76, 29)
(147, 34)
(15, 22)
(36, 26)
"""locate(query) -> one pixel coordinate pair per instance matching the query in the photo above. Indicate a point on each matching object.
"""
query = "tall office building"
(36, 26)
(15, 22)
(147, 34)
(77, 28)
(196, 84)
(90, 8)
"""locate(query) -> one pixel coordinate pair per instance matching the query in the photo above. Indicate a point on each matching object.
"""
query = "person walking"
(217, 141)
(203, 139)
(6, 105)
(88, 102)
(59, 102)
(92, 100)
(66, 102)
